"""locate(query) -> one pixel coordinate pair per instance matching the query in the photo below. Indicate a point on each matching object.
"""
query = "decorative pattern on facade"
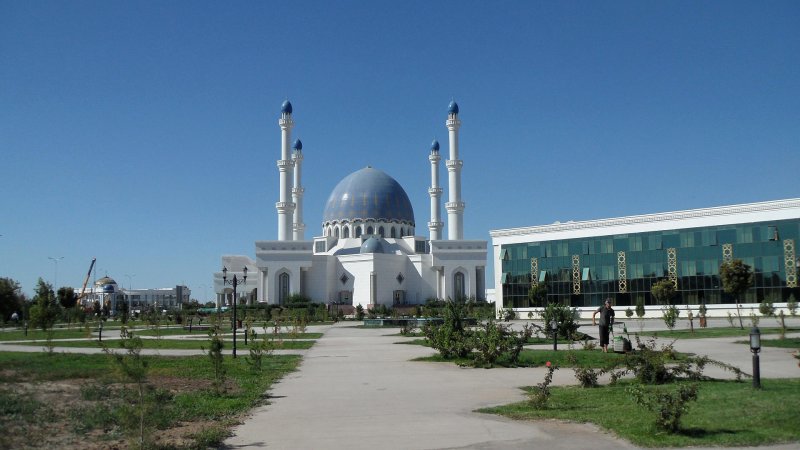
(576, 274)
(622, 271)
(672, 266)
(534, 271)
(789, 263)
(727, 253)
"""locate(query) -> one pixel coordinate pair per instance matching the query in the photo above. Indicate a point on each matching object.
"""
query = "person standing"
(606, 321)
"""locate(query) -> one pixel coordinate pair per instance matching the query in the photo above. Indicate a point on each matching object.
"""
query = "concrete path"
(358, 389)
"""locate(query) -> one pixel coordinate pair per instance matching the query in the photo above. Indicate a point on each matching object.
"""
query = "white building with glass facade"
(582, 263)
(369, 252)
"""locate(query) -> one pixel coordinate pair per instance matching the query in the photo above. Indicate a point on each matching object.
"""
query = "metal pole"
(756, 372)
(234, 315)
(555, 339)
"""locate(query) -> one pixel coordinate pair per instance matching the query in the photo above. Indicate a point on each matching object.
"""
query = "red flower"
(548, 364)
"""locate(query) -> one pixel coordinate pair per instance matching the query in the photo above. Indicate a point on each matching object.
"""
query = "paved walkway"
(357, 389)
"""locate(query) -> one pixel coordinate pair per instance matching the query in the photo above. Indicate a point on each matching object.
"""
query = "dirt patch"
(79, 414)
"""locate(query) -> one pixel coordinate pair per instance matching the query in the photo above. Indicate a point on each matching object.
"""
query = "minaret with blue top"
(455, 207)
(298, 227)
(435, 225)
(285, 206)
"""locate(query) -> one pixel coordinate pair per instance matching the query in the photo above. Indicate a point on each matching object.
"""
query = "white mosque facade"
(369, 253)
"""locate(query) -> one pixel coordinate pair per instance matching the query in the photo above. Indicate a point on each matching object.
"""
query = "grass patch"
(182, 392)
(538, 358)
(19, 335)
(777, 343)
(703, 333)
(176, 344)
(726, 413)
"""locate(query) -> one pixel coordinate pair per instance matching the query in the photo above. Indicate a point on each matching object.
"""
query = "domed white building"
(369, 252)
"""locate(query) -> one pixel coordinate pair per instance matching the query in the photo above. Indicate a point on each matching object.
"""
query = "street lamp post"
(55, 259)
(234, 282)
(755, 347)
(554, 327)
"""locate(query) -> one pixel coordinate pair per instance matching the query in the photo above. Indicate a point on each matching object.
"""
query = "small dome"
(452, 109)
(372, 245)
(298, 144)
(105, 280)
(286, 107)
(435, 145)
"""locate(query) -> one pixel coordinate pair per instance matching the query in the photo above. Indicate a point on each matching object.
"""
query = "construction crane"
(86, 281)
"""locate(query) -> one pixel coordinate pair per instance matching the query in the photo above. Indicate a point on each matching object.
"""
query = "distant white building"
(369, 252)
(107, 292)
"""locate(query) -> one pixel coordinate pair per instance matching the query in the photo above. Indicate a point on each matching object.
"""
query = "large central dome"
(368, 194)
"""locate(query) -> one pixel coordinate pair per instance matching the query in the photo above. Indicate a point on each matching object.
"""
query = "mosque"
(369, 253)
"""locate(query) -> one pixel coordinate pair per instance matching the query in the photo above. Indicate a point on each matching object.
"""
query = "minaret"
(298, 227)
(435, 225)
(455, 207)
(285, 207)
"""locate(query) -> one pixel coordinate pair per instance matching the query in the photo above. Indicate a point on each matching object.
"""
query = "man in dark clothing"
(606, 320)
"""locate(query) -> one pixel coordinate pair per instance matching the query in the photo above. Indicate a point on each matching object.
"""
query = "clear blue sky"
(145, 133)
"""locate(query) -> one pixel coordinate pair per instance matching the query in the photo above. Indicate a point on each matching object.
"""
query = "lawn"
(77, 401)
(727, 413)
(177, 344)
(538, 358)
(717, 332)
(59, 333)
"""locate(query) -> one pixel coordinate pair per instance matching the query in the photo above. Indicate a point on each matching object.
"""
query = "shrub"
(629, 312)
(586, 376)
(564, 317)
(517, 341)
(668, 404)
(640, 307)
(490, 343)
(359, 312)
(541, 393)
(766, 308)
(450, 338)
(670, 315)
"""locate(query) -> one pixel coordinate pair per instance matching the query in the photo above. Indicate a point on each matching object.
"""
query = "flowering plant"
(541, 393)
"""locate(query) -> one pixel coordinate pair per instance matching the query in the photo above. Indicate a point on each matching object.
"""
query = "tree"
(737, 277)
(663, 291)
(11, 298)
(66, 297)
(45, 311)
(537, 294)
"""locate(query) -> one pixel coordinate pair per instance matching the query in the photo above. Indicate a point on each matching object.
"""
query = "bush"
(670, 315)
(668, 404)
(587, 376)
(541, 393)
(640, 307)
(450, 338)
(490, 343)
(564, 317)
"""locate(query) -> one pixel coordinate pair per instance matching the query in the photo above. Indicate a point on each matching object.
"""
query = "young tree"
(66, 297)
(11, 298)
(663, 291)
(737, 277)
(45, 311)
(537, 294)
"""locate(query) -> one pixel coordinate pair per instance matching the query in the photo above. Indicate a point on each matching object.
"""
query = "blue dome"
(286, 107)
(368, 194)
(452, 109)
(298, 145)
(435, 145)
(372, 245)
